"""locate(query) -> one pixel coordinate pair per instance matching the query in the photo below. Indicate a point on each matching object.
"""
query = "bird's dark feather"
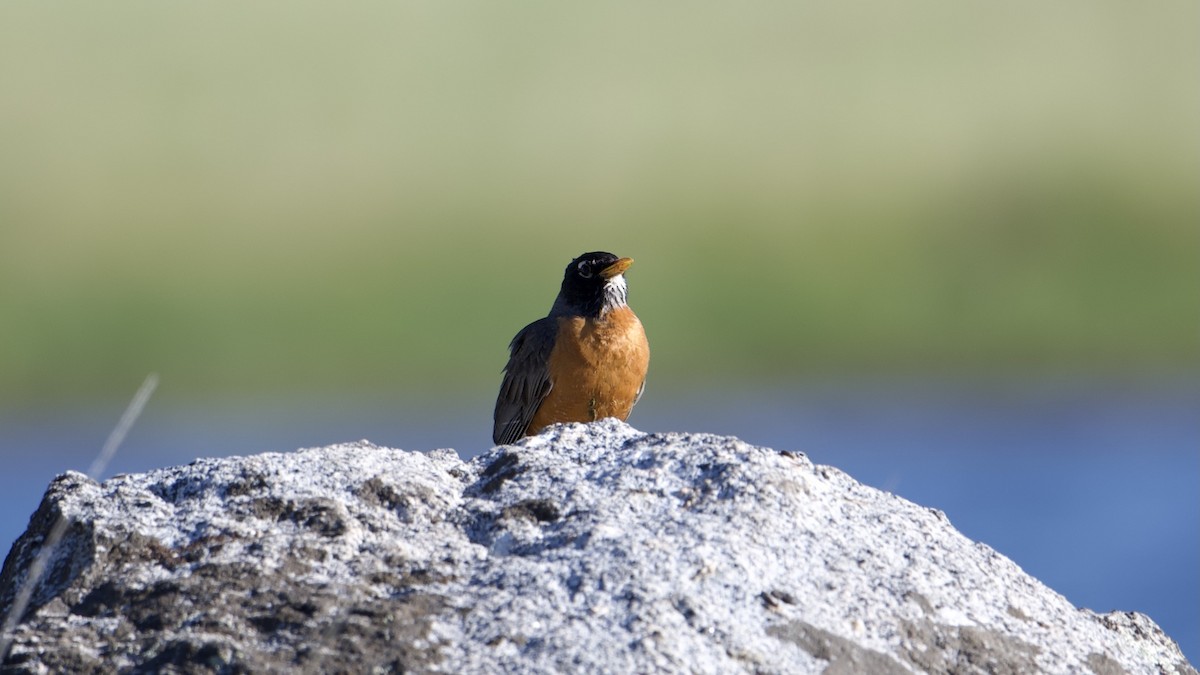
(526, 380)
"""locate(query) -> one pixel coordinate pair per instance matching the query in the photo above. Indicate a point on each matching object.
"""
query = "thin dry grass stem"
(38, 567)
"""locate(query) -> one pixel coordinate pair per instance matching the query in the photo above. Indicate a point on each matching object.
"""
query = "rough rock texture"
(589, 548)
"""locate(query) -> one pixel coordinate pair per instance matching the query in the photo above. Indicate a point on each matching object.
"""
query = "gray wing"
(526, 380)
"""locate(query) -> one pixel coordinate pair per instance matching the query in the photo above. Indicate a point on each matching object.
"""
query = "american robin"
(585, 361)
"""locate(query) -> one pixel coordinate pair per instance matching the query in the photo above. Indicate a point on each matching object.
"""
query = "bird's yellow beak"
(616, 268)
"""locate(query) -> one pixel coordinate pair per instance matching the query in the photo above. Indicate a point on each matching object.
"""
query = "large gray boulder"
(590, 548)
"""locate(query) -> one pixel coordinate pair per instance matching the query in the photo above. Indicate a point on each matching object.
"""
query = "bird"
(584, 361)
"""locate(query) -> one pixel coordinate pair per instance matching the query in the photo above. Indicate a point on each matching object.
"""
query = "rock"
(589, 548)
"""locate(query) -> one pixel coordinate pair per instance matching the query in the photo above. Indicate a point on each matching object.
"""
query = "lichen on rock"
(587, 548)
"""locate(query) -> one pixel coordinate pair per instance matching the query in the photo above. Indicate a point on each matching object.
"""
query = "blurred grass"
(299, 196)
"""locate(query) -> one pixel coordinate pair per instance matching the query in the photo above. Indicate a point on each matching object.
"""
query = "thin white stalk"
(36, 569)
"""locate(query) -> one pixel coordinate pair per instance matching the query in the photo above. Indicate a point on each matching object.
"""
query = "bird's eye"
(585, 270)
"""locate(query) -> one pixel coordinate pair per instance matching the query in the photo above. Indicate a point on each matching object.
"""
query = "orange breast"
(596, 368)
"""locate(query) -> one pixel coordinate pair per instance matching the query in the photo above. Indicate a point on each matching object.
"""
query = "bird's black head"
(592, 284)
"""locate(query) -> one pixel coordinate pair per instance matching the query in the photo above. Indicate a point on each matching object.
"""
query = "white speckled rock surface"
(590, 548)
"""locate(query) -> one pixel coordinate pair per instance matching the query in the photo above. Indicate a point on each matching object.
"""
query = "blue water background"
(1092, 486)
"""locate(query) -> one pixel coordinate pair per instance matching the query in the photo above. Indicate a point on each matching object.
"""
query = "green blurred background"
(295, 196)
(324, 221)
